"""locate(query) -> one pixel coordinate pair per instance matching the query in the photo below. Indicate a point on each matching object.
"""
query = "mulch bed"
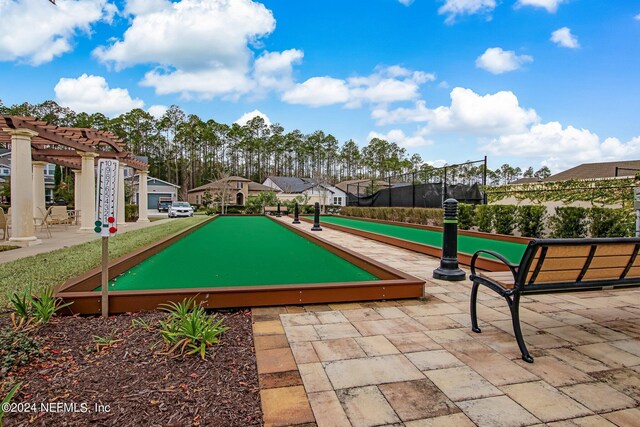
(141, 386)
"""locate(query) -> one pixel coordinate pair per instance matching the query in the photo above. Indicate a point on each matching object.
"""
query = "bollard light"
(316, 218)
(278, 211)
(449, 269)
(296, 213)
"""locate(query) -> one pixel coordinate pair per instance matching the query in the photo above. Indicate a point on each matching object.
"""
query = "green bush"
(569, 222)
(530, 220)
(504, 218)
(425, 216)
(465, 216)
(484, 218)
(604, 222)
(131, 213)
(17, 347)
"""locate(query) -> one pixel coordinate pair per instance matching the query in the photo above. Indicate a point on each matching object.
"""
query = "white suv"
(180, 209)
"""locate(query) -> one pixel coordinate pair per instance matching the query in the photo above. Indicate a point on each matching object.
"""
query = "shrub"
(7, 399)
(188, 328)
(465, 216)
(130, 213)
(568, 222)
(425, 216)
(36, 310)
(484, 218)
(504, 218)
(604, 222)
(530, 220)
(17, 347)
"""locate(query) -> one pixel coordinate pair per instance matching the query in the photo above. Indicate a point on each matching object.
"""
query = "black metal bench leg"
(474, 314)
(514, 306)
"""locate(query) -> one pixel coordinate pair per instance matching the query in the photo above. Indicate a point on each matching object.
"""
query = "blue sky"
(528, 82)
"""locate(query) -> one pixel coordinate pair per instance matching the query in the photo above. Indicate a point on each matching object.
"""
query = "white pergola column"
(39, 200)
(121, 199)
(143, 198)
(77, 188)
(22, 225)
(88, 191)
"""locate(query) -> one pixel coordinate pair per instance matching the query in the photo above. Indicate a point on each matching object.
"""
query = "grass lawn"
(56, 267)
(4, 248)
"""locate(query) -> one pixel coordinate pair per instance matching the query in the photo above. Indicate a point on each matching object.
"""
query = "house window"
(337, 201)
(4, 171)
(48, 195)
(50, 169)
(197, 199)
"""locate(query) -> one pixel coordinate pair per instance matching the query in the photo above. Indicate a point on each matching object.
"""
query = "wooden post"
(105, 277)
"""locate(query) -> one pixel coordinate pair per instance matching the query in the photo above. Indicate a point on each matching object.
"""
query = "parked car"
(180, 209)
(164, 204)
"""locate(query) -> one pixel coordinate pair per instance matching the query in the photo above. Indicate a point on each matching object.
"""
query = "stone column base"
(25, 241)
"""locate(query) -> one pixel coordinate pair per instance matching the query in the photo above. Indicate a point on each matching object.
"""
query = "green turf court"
(466, 244)
(239, 251)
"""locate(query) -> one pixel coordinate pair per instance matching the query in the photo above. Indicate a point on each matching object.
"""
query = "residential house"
(5, 174)
(156, 189)
(235, 189)
(288, 188)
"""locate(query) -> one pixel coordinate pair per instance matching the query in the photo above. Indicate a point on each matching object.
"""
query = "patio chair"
(4, 224)
(59, 215)
(44, 219)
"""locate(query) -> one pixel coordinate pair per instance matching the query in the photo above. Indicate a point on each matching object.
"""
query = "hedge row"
(534, 221)
(411, 215)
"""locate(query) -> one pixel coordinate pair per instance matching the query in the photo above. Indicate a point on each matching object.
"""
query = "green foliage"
(530, 220)
(303, 204)
(465, 216)
(605, 222)
(484, 218)
(17, 347)
(56, 267)
(130, 213)
(7, 399)
(188, 328)
(504, 218)
(598, 192)
(425, 216)
(102, 343)
(256, 204)
(57, 177)
(207, 198)
(569, 222)
(35, 310)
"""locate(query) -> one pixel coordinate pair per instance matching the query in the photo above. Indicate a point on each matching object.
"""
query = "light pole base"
(452, 275)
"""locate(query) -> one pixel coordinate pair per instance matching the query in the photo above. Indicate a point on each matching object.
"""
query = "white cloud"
(274, 70)
(637, 17)
(455, 8)
(563, 37)
(91, 94)
(406, 2)
(550, 5)
(498, 61)
(560, 147)
(385, 85)
(36, 31)
(246, 117)
(318, 91)
(469, 113)
(157, 111)
(418, 139)
(199, 48)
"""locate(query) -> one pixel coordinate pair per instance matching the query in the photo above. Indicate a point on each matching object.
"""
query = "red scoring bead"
(111, 220)
(112, 230)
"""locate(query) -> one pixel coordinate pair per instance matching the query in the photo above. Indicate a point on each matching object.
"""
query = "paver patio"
(417, 363)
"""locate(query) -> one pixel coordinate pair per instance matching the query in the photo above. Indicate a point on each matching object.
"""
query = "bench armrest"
(512, 267)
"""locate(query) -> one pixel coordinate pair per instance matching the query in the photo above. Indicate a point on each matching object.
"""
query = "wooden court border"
(434, 251)
(393, 284)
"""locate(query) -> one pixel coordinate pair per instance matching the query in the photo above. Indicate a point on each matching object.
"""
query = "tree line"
(190, 151)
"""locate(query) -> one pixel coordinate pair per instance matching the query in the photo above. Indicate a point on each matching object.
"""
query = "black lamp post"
(278, 211)
(449, 269)
(296, 213)
(316, 218)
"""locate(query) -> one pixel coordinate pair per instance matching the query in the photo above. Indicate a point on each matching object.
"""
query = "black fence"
(425, 188)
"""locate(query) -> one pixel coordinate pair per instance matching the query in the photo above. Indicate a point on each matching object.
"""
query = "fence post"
(484, 182)
(389, 190)
(413, 187)
(358, 193)
(444, 186)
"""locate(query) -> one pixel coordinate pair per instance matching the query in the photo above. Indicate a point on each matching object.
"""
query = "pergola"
(35, 143)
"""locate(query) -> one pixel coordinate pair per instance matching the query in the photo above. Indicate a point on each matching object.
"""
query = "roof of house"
(256, 186)
(136, 178)
(525, 181)
(598, 170)
(291, 184)
(4, 151)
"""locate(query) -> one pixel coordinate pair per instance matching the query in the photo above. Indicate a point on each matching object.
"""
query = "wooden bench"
(558, 265)
(272, 210)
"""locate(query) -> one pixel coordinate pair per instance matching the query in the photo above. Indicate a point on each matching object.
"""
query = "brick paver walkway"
(417, 363)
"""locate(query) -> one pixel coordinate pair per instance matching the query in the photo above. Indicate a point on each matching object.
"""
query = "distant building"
(601, 170)
(156, 189)
(288, 188)
(236, 189)
(5, 174)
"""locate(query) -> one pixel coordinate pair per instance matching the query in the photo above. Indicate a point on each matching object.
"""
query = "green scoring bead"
(98, 223)
(97, 229)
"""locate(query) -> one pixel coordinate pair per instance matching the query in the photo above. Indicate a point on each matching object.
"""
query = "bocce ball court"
(239, 261)
(428, 239)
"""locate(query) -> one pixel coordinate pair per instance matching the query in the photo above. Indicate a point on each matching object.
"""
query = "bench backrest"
(565, 263)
